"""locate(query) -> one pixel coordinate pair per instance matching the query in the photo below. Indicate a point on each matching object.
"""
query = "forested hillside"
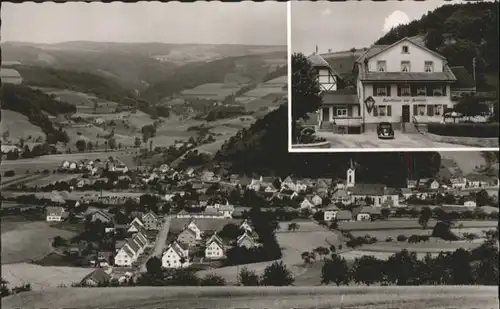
(460, 32)
(32, 103)
(262, 149)
(101, 87)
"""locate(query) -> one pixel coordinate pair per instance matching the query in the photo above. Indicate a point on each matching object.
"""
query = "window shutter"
(375, 111)
(389, 91)
(399, 91)
(444, 90)
(415, 110)
(389, 110)
(349, 111)
(430, 110)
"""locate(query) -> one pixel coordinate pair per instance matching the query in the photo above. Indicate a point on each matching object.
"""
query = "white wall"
(417, 57)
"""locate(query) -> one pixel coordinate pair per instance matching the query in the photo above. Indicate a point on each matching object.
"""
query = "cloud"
(326, 12)
(395, 19)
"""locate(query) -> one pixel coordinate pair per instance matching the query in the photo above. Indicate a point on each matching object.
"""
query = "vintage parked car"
(385, 131)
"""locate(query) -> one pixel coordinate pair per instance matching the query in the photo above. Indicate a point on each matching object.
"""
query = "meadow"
(24, 241)
(408, 297)
(19, 127)
(211, 91)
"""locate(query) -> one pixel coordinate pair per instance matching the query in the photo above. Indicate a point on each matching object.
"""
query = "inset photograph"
(409, 75)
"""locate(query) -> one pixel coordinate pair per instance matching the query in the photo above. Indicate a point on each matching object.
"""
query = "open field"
(432, 246)
(397, 224)
(465, 161)
(19, 127)
(42, 277)
(55, 161)
(26, 241)
(213, 91)
(381, 235)
(177, 224)
(75, 195)
(51, 178)
(414, 297)
(274, 86)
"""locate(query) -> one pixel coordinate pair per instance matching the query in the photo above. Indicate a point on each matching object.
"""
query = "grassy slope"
(19, 126)
(466, 161)
(266, 297)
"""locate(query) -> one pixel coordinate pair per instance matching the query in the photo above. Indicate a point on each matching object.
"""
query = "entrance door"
(406, 113)
(326, 114)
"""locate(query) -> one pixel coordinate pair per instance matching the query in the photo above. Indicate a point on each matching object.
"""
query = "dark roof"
(318, 61)
(465, 80)
(343, 62)
(375, 49)
(98, 276)
(446, 75)
(366, 210)
(335, 97)
(368, 189)
(344, 215)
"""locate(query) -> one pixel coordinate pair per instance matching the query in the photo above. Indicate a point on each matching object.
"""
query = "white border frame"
(333, 150)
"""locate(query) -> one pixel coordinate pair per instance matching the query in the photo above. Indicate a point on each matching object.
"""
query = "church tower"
(351, 176)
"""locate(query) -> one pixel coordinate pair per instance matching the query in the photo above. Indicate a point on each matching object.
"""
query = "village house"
(125, 256)
(187, 236)
(254, 185)
(245, 240)
(406, 193)
(343, 216)
(322, 187)
(270, 189)
(288, 184)
(102, 216)
(287, 193)
(405, 84)
(136, 225)
(151, 221)
(176, 256)
(193, 227)
(470, 202)
(366, 213)
(434, 184)
(215, 248)
(480, 181)
(458, 182)
(96, 278)
(306, 204)
(330, 212)
(316, 200)
(55, 214)
(245, 225)
(411, 184)
(341, 196)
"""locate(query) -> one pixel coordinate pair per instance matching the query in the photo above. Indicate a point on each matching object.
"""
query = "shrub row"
(464, 129)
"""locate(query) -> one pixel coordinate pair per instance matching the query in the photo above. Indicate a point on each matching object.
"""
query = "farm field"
(75, 195)
(414, 297)
(55, 161)
(24, 241)
(42, 277)
(432, 246)
(213, 91)
(398, 224)
(274, 86)
(51, 178)
(381, 235)
(84, 102)
(19, 127)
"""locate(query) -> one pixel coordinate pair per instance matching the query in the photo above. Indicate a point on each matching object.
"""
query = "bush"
(9, 174)
(464, 129)
(402, 238)
(388, 239)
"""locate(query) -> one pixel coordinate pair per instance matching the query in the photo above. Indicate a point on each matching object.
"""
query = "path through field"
(414, 297)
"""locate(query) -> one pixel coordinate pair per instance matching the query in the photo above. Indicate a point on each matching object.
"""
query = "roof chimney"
(316, 49)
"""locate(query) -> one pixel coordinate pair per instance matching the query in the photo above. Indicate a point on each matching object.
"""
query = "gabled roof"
(340, 193)
(344, 215)
(344, 96)
(133, 246)
(189, 231)
(128, 250)
(366, 210)
(244, 236)
(318, 61)
(54, 211)
(368, 189)
(331, 207)
(152, 215)
(98, 276)
(377, 49)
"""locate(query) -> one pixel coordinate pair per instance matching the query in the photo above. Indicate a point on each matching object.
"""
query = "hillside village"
(199, 219)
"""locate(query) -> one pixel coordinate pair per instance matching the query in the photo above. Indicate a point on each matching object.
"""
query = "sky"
(341, 26)
(200, 22)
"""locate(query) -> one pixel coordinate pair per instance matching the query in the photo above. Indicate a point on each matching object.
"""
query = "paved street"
(371, 140)
(160, 243)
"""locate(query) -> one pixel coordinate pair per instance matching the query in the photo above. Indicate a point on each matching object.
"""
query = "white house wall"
(417, 57)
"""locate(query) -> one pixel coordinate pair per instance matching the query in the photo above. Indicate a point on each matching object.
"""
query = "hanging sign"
(369, 103)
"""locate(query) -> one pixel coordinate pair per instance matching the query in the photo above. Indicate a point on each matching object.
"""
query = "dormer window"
(381, 66)
(405, 66)
(405, 49)
(429, 67)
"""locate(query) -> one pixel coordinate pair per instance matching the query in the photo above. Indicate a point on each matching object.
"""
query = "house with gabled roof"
(306, 204)
(125, 256)
(245, 225)
(316, 200)
(95, 278)
(266, 181)
(341, 196)
(366, 213)
(343, 215)
(330, 212)
(151, 221)
(176, 256)
(322, 187)
(55, 214)
(403, 83)
(254, 185)
(192, 226)
(270, 189)
(245, 240)
(136, 225)
(288, 183)
(215, 248)
(101, 215)
(187, 236)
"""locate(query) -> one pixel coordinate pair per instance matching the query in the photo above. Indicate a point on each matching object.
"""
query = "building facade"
(404, 84)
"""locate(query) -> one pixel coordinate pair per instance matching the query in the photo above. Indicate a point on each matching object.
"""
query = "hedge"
(464, 129)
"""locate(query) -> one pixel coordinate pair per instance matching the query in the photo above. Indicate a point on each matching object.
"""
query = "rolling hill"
(403, 297)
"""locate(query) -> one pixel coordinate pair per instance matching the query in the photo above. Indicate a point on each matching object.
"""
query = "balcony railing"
(347, 121)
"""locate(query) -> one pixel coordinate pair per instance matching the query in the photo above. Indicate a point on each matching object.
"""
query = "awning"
(332, 98)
